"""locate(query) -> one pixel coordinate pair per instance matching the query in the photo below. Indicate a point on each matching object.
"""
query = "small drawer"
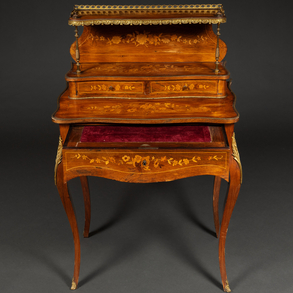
(144, 166)
(144, 161)
(197, 87)
(109, 88)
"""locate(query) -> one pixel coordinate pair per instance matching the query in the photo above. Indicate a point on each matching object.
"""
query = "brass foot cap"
(73, 285)
(227, 287)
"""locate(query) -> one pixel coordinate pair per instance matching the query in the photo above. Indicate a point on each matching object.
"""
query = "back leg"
(65, 198)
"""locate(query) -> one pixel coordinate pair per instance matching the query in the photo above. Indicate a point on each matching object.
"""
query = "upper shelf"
(147, 14)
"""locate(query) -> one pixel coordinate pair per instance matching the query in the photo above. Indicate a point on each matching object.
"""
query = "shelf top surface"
(147, 14)
(148, 70)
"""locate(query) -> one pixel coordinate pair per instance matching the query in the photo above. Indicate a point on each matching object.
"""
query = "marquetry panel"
(156, 44)
(188, 86)
(145, 164)
(107, 87)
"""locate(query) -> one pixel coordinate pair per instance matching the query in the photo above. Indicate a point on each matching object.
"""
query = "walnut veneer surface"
(142, 67)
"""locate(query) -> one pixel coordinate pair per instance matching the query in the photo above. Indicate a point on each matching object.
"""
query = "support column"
(217, 49)
(77, 52)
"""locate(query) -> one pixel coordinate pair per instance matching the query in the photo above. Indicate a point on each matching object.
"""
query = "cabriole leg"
(233, 191)
(216, 194)
(87, 205)
(65, 198)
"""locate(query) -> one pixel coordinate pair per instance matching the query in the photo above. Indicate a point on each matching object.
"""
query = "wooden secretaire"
(148, 100)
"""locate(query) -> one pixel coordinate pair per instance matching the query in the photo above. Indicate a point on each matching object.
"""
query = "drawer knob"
(185, 87)
(111, 88)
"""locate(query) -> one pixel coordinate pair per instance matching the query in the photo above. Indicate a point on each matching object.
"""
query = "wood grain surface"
(187, 43)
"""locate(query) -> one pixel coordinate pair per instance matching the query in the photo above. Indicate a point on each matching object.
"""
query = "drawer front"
(144, 166)
(198, 87)
(109, 88)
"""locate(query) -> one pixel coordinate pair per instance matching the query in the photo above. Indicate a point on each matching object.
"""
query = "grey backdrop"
(152, 237)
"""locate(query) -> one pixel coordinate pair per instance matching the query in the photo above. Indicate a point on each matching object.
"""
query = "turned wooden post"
(217, 49)
(77, 52)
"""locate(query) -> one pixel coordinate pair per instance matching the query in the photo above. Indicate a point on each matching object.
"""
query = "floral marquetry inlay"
(192, 87)
(145, 108)
(144, 39)
(179, 87)
(136, 68)
(143, 161)
(110, 87)
(148, 162)
(103, 87)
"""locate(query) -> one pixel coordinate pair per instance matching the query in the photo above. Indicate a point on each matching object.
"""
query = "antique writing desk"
(148, 100)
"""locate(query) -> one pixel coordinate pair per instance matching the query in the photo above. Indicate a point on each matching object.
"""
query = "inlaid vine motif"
(145, 39)
(216, 158)
(146, 108)
(145, 68)
(117, 87)
(145, 162)
(180, 87)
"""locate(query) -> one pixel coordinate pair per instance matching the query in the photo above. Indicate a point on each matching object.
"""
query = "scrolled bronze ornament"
(236, 155)
(58, 159)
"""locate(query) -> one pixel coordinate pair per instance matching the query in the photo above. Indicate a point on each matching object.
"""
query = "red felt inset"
(182, 133)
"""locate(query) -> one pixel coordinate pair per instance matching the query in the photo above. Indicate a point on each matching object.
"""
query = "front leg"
(233, 191)
(87, 204)
(65, 198)
(216, 194)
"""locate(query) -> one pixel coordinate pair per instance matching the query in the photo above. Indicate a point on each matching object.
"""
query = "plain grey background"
(145, 237)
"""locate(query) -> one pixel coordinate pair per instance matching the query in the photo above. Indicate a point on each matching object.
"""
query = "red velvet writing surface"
(183, 133)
